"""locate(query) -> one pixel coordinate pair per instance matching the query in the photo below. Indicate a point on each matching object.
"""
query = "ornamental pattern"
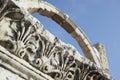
(23, 35)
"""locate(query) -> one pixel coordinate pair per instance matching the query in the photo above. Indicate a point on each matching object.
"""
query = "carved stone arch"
(24, 37)
(65, 22)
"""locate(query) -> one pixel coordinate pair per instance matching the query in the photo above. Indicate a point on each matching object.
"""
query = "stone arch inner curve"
(26, 42)
(93, 53)
(48, 10)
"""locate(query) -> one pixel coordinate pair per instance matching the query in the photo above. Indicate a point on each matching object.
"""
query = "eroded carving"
(25, 37)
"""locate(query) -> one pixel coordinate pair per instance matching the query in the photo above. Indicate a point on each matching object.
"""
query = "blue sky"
(99, 19)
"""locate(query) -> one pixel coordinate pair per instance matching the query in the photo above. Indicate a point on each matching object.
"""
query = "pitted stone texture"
(64, 21)
(8, 75)
(26, 38)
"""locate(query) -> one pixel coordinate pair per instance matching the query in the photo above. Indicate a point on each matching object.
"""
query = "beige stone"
(28, 51)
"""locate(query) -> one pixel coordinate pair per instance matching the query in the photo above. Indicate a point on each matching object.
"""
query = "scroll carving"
(24, 36)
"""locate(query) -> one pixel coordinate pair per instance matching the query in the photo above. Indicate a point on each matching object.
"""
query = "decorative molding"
(43, 8)
(25, 37)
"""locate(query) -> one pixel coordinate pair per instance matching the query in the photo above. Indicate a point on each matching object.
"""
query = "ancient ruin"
(29, 52)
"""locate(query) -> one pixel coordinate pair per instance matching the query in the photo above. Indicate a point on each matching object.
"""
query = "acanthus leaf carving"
(25, 37)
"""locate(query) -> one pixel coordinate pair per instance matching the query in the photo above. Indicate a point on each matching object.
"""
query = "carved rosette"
(23, 35)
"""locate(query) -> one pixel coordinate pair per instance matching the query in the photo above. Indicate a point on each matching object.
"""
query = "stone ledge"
(20, 67)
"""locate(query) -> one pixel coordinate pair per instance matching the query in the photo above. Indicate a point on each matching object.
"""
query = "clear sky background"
(99, 19)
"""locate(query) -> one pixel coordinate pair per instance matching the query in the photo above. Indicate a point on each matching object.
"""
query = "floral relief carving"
(26, 38)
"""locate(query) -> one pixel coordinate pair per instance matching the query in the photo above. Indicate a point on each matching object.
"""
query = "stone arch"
(24, 37)
(48, 10)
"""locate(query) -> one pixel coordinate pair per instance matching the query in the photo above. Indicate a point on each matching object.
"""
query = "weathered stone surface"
(63, 19)
(7, 75)
(37, 54)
